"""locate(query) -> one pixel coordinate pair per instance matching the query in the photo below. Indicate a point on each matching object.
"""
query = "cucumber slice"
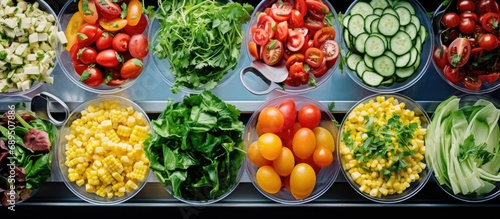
(374, 46)
(361, 8)
(368, 22)
(360, 68)
(404, 15)
(352, 60)
(345, 20)
(411, 30)
(359, 44)
(401, 43)
(356, 24)
(388, 25)
(384, 65)
(405, 4)
(404, 73)
(368, 61)
(379, 4)
(372, 78)
(402, 61)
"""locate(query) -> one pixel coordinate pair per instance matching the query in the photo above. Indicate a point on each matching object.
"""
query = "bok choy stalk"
(463, 146)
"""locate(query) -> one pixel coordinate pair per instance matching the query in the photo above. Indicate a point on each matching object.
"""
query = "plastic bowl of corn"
(100, 155)
(382, 148)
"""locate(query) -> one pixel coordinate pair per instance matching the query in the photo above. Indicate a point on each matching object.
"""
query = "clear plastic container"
(424, 57)
(61, 157)
(260, 86)
(346, 150)
(325, 176)
(66, 63)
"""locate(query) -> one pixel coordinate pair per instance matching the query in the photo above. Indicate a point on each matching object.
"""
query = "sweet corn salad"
(382, 146)
(104, 149)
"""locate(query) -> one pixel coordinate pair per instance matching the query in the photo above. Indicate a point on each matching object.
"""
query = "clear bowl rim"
(428, 170)
(59, 150)
(335, 164)
(70, 73)
(424, 61)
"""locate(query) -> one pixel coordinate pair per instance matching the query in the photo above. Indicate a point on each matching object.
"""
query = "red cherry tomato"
(86, 33)
(109, 58)
(459, 52)
(472, 82)
(121, 42)
(301, 6)
(489, 78)
(309, 116)
(465, 5)
(485, 6)
(104, 41)
(272, 52)
(138, 28)
(488, 41)
(92, 76)
(296, 19)
(467, 26)
(289, 110)
(87, 55)
(79, 67)
(490, 22)
(469, 14)
(454, 75)
(439, 56)
(138, 46)
(450, 19)
(131, 68)
(108, 9)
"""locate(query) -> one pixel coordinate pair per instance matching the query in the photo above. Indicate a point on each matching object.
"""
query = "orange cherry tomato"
(285, 162)
(88, 11)
(269, 145)
(322, 157)
(114, 24)
(304, 143)
(134, 12)
(255, 157)
(271, 119)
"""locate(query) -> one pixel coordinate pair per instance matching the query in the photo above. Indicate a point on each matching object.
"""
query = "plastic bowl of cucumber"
(387, 43)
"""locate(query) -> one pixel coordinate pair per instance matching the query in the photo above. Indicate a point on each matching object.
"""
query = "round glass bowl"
(118, 85)
(381, 148)
(42, 5)
(261, 85)
(439, 64)
(395, 67)
(165, 69)
(323, 177)
(100, 155)
(485, 190)
(22, 159)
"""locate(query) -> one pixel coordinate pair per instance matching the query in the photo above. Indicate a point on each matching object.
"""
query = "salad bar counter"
(338, 93)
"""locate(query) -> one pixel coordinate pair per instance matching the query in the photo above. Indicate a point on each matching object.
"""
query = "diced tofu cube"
(42, 37)
(33, 38)
(31, 70)
(21, 49)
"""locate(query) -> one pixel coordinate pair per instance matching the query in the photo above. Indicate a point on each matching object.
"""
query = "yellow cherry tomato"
(269, 145)
(255, 157)
(114, 24)
(134, 12)
(304, 142)
(302, 180)
(74, 23)
(324, 138)
(88, 11)
(285, 162)
(268, 180)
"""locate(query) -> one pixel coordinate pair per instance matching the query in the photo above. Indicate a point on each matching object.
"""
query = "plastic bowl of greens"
(198, 49)
(463, 147)
(26, 148)
(198, 158)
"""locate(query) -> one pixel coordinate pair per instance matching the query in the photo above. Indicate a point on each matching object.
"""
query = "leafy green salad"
(197, 149)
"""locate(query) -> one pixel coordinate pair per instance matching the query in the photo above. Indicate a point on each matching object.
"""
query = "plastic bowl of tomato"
(302, 36)
(105, 52)
(388, 44)
(466, 53)
(382, 150)
(291, 153)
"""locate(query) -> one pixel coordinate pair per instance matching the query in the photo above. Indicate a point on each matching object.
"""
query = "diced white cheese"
(45, 46)
(62, 38)
(33, 38)
(25, 85)
(21, 49)
(25, 23)
(20, 16)
(22, 76)
(31, 70)
(42, 37)
(22, 5)
(41, 26)
(31, 57)
(10, 10)
(16, 60)
(10, 22)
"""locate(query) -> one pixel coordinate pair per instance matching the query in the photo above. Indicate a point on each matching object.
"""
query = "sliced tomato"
(114, 24)
(301, 6)
(459, 52)
(439, 56)
(297, 57)
(260, 36)
(314, 57)
(88, 11)
(320, 70)
(138, 28)
(324, 34)
(108, 9)
(295, 40)
(454, 75)
(134, 12)
(331, 50)
(74, 23)
(253, 49)
(317, 9)
(308, 43)
(281, 11)
(273, 52)
(267, 23)
(296, 19)
(282, 31)
(312, 23)
(490, 22)
(489, 78)
(472, 82)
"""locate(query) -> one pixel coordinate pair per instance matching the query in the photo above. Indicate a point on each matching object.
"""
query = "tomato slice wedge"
(331, 50)
(324, 34)
(317, 9)
(314, 57)
(489, 78)
(295, 40)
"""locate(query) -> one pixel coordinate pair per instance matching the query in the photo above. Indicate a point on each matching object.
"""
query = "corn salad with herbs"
(382, 146)
(104, 150)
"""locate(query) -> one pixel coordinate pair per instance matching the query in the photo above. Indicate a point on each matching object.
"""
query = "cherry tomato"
(488, 41)
(79, 67)
(73, 52)
(134, 12)
(112, 77)
(450, 19)
(319, 71)
(260, 36)
(467, 26)
(286, 136)
(92, 76)
(465, 5)
(454, 75)
(459, 52)
(131, 68)
(330, 49)
(314, 57)
(284, 163)
(312, 23)
(301, 6)
(253, 49)
(297, 57)
(104, 41)
(289, 111)
(297, 74)
(89, 12)
(472, 82)
(269, 145)
(322, 157)
(281, 11)
(86, 33)
(439, 56)
(121, 42)
(281, 31)
(74, 24)
(485, 6)
(114, 24)
(324, 138)
(255, 157)
(489, 78)
(450, 35)
(296, 19)
(309, 116)
(267, 23)
(268, 179)
(108, 58)
(324, 34)
(138, 28)
(87, 55)
(138, 46)
(295, 40)
(308, 43)
(271, 119)
(469, 14)
(115, 82)
(108, 9)
(490, 22)
(302, 180)
(317, 9)
(304, 143)
(272, 52)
